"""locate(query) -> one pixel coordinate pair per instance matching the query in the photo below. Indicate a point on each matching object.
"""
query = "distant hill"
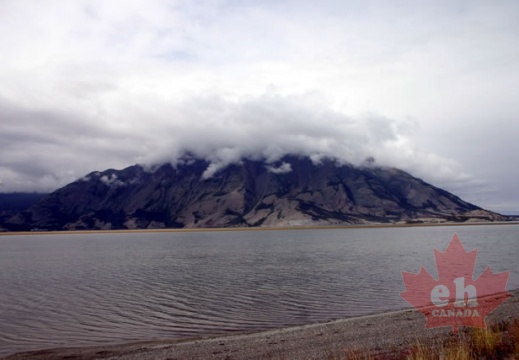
(13, 203)
(291, 192)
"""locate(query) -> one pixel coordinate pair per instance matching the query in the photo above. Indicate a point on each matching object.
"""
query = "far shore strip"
(258, 228)
(373, 334)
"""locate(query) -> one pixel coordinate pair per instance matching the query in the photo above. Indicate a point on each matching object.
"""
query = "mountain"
(13, 203)
(291, 192)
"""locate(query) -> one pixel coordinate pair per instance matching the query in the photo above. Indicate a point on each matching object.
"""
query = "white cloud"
(281, 169)
(112, 181)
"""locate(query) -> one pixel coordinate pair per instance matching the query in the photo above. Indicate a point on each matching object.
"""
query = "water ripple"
(73, 290)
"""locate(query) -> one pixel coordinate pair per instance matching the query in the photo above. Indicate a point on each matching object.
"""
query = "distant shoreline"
(269, 228)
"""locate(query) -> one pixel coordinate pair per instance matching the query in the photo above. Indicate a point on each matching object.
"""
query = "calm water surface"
(88, 289)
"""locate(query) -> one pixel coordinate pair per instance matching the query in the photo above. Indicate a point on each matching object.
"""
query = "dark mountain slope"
(13, 203)
(251, 193)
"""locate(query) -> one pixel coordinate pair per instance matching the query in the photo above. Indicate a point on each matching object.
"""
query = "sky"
(430, 87)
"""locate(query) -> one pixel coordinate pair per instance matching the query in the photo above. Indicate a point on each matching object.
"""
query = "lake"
(99, 288)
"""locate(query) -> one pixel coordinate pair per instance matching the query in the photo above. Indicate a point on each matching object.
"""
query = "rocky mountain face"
(292, 192)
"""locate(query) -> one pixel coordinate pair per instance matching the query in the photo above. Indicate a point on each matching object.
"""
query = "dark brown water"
(74, 290)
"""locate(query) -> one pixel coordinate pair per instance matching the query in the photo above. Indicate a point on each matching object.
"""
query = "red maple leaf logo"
(455, 299)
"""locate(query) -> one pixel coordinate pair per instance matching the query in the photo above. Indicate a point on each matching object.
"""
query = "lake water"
(90, 289)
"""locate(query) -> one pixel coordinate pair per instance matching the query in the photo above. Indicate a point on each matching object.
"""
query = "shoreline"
(269, 228)
(385, 333)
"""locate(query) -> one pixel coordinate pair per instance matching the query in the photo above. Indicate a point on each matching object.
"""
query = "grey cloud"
(42, 149)
(63, 147)
(271, 126)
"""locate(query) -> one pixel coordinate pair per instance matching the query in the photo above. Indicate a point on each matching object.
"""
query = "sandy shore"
(378, 334)
(322, 227)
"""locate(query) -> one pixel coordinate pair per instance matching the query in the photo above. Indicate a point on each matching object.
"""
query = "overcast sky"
(430, 87)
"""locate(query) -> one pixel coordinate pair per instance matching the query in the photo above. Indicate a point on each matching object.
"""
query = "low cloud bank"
(45, 150)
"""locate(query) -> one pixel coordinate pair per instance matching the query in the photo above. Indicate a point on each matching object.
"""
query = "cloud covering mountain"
(428, 87)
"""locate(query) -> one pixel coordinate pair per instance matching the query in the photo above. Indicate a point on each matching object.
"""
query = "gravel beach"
(376, 334)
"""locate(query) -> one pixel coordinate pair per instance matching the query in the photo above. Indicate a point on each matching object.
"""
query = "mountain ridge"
(293, 191)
